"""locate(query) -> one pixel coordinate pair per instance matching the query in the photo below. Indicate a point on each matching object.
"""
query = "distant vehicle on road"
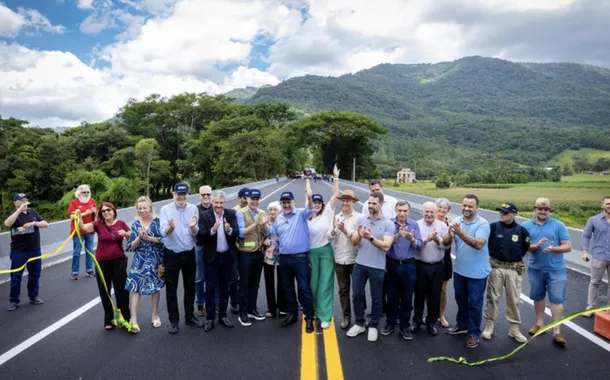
(296, 174)
(309, 173)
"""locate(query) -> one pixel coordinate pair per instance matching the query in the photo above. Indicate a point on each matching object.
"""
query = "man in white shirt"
(345, 252)
(389, 204)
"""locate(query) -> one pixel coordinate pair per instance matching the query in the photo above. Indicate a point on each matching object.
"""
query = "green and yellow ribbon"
(45, 256)
(118, 321)
(462, 360)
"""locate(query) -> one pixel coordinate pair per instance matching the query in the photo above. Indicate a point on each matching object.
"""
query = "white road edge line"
(8, 355)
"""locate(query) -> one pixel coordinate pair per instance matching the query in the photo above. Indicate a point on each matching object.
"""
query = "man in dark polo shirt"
(25, 243)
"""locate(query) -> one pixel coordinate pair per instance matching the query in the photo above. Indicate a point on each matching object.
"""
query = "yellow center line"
(309, 356)
(334, 369)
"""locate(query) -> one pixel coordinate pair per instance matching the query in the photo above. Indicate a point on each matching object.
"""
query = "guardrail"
(59, 230)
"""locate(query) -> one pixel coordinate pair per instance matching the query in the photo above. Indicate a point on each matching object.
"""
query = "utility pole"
(354, 171)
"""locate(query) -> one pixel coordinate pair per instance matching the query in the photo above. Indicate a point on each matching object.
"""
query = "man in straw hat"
(547, 269)
(345, 252)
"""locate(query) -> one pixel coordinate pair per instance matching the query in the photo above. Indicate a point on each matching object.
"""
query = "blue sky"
(63, 62)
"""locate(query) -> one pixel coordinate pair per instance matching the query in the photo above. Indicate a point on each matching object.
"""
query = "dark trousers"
(428, 285)
(250, 270)
(234, 282)
(296, 266)
(217, 276)
(115, 276)
(175, 262)
(274, 304)
(18, 258)
(360, 276)
(401, 287)
(469, 295)
(344, 279)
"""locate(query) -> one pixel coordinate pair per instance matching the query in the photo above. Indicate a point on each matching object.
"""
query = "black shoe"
(234, 309)
(309, 326)
(36, 301)
(194, 321)
(174, 328)
(406, 333)
(289, 320)
(225, 322)
(387, 330)
(209, 325)
(244, 319)
(455, 330)
(256, 315)
(415, 328)
(431, 330)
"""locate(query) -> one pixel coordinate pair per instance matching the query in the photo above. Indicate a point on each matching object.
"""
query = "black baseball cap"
(243, 192)
(508, 208)
(254, 193)
(287, 195)
(181, 188)
(317, 197)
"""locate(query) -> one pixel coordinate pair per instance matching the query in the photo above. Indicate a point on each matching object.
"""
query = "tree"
(146, 152)
(443, 181)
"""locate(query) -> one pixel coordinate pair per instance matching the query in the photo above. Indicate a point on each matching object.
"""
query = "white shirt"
(319, 227)
(432, 252)
(221, 242)
(345, 251)
(388, 209)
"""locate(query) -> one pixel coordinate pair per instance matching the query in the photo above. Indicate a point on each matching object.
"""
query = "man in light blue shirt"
(471, 233)
(546, 270)
(179, 227)
(599, 227)
(291, 237)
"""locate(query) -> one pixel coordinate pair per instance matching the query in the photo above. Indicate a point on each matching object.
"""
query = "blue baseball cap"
(18, 197)
(243, 192)
(254, 193)
(317, 197)
(287, 195)
(181, 188)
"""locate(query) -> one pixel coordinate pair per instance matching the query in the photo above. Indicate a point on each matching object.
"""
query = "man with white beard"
(85, 203)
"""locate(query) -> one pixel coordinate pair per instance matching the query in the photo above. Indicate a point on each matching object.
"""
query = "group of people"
(222, 254)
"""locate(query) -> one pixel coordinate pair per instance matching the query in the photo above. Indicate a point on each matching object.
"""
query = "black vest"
(505, 243)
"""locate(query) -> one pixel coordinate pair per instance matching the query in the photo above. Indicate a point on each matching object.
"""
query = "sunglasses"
(543, 208)
(85, 192)
(106, 210)
(205, 194)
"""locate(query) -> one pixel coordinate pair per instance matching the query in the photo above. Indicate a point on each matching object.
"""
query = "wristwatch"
(371, 239)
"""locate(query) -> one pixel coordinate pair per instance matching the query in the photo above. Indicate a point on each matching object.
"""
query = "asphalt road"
(65, 340)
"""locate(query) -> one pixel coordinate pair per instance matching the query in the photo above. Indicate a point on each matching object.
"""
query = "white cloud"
(11, 23)
(85, 4)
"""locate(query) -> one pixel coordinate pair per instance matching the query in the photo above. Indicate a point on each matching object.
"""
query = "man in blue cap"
(242, 198)
(25, 244)
(179, 227)
(252, 223)
(291, 237)
(508, 244)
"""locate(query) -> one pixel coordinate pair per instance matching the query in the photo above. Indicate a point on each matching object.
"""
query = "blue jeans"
(375, 277)
(551, 281)
(200, 279)
(297, 267)
(18, 258)
(77, 247)
(469, 295)
(401, 287)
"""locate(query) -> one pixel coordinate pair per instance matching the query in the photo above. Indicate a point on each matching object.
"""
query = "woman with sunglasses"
(322, 255)
(143, 277)
(112, 260)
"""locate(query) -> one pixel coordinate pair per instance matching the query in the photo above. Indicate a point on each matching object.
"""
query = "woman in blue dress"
(143, 277)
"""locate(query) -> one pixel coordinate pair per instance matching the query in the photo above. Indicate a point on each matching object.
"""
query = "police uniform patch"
(515, 238)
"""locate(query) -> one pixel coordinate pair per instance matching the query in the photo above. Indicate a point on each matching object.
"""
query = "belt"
(401, 261)
(435, 263)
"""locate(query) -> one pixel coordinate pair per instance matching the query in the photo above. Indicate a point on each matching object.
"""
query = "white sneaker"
(325, 325)
(372, 334)
(355, 331)
(588, 315)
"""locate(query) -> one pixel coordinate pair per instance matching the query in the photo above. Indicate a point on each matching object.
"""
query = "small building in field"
(405, 175)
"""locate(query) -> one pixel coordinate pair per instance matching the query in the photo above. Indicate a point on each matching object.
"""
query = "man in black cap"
(508, 243)
(242, 202)
(291, 237)
(25, 243)
(179, 226)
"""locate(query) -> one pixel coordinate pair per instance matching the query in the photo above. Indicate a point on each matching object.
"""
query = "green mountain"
(241, 95)
(470, 113)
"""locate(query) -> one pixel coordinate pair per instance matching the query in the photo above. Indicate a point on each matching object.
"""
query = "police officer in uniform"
(508, 243)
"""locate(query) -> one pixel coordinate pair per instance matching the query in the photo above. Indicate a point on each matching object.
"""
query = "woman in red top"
(85, 203)
(111, 257)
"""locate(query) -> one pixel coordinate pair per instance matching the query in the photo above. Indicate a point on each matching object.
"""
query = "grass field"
(566, 157)
(574, 200)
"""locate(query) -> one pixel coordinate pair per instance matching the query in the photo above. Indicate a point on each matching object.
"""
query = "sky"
(63, 62)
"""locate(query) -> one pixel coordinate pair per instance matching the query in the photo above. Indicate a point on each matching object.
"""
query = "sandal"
(74, 277)
(134, 328)
(269, 314)
(109, 327)
(443, 322)
(156, 322)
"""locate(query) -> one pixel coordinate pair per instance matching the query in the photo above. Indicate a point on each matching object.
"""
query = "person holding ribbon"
(112, 261)
(143, 276)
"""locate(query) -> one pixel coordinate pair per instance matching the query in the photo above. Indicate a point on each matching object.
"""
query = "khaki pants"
(498, 280)
(598, 267)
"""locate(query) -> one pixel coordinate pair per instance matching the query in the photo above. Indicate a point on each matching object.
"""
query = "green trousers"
(322, 261)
